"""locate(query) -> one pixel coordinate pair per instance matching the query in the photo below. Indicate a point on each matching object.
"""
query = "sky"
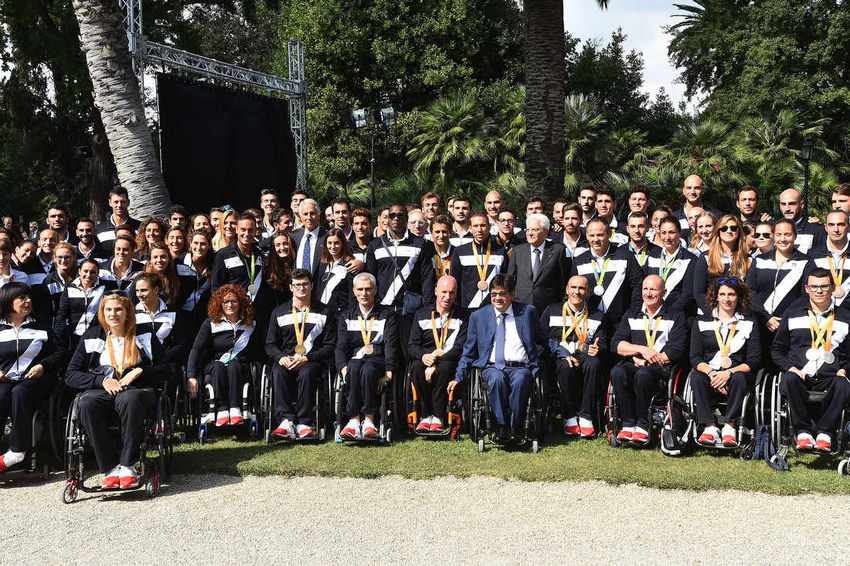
(641, 21)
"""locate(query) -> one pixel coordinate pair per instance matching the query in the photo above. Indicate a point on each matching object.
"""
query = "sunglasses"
(728, 229)
(396, 215)
(762, 235)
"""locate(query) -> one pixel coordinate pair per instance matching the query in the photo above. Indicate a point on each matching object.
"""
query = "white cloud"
(642, 22)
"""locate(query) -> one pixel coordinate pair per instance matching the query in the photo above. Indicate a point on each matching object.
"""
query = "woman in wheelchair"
(220, 353)
(812, 351)
(725, 353)
(114, 367)
(27, 360)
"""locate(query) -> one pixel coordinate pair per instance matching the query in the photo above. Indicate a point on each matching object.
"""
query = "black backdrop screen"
(223, 147)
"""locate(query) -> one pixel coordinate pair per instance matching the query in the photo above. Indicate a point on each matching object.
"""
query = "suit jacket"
(548, 286)
(481, 337)
(317, 248)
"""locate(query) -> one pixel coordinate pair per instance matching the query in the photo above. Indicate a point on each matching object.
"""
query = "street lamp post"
(806, 157)
(364, 118)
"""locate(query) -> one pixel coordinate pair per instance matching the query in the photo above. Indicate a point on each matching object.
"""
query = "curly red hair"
(215, 310)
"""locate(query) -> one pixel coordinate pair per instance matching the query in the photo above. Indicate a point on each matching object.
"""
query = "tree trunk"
(544, 101)
(116, 96)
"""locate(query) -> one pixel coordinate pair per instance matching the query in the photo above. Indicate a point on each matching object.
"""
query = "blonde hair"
(219, 240)
(740, 263)
(131, 355)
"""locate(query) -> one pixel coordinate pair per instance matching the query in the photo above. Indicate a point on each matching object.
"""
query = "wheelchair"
(746, 426)
(388, 401)
(482, 422)
(32, 463)
(665, 426)
(320, 408)
(155, 457)
(774, 413)
(454, 413)
(249, 404)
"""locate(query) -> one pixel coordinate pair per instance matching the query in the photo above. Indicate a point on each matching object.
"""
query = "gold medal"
(300, 349)
(368, 349)
(440, 337)
(725, 346)
(482, 285)
(837, 275)
(299, 327)
(482, 267)
(366, 334)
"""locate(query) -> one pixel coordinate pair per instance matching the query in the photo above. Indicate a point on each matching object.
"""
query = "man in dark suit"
(309, 239)
(540, 267)
(502, 341)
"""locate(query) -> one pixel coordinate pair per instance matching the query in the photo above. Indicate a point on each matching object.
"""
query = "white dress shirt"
(514, 350)
(314, 238)
(542, 248)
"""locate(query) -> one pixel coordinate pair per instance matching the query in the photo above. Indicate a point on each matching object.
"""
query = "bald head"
(652, 291)
(493, 204)
(692, 190)
(791, 204)
(446, 291)
(577, 286)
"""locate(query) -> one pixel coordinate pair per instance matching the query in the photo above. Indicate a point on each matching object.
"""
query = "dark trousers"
(635, 387)
(226, 381)
(295, 392)
(97, 411)
(363, 376)
(796, 392)
(705, 396)
(508, 391)
(579, 384)
(433, 395)
(18, 400)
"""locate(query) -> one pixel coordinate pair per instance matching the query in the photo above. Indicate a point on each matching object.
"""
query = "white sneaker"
(571, 427)
(710, 436)
(235, 415)
(586, 429)
(208, 418)
(284, 430)
(351, 431)
(13, 458)
(729, 435)
(368, 430)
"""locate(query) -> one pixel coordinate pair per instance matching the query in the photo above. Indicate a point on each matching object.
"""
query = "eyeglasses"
(762, 235)
(396, 215)
(304, 285)
(727, 281)
(418, 222)
(728, 229)
(819, 288)
(495, 294)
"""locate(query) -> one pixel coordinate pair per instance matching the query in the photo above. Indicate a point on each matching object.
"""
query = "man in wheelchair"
(436, 342)
(811, 350)
(651, 339)
(366, 353)
(502, 341)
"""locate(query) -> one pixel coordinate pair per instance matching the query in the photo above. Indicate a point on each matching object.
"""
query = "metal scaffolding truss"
(294, 89)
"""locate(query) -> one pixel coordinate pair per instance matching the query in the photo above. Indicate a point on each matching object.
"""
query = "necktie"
(535, 263)
(500, 341)
(305, 257)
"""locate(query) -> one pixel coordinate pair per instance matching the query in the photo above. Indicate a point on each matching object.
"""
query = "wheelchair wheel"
(612, 423)
(70, 492)
(477, 410)
(411, 401)
(266, 403)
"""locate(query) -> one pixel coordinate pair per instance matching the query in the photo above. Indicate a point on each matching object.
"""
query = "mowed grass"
(558, 461)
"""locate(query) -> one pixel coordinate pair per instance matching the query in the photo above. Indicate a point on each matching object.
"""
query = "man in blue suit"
(502, 341)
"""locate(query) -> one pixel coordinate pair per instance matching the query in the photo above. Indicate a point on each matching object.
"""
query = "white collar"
(314, 233)
(607, 251)
(509, 311)
(140, 307)
(365, 314)
(644, 310)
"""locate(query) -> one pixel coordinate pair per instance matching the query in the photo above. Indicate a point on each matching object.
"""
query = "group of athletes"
(117, 309)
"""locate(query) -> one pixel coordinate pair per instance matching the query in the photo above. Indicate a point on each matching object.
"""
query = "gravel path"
(297, 521)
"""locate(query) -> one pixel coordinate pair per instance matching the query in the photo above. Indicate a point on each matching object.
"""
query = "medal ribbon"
(366, 330)
(440, 337)
(837, 274)
(117, 364)
(725, 345)
(299, 330)
(577, 325)
(599, 274)
(440, 265)
(669, 264)
(641, 257)
(650, 331)
(482, 269)
(821, 334)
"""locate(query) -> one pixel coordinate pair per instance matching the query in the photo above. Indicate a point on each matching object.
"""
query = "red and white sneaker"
(235, 416)
(640, 437)
(823, 443)
(424, 425)
(111, 480)
(710, 436)
(571, 427)
(222, 418)
(729, 436)
(369, 430)
(128, 478)
(351, 430)
(284, 430)
(805, 441)
(586, 429)
(436, 425)
(305, 431)
(625, 434)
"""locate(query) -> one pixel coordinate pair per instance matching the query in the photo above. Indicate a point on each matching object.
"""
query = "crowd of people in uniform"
(118, 308)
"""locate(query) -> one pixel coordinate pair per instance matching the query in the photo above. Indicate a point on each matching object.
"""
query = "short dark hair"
(89, 260)
(278, 212)
(574, 206)
(344, 201)
(790, 223)
(265, 192)
(843, 189)
(301, 274)
(84, 219)
(534, 198)
(362, 212)
(817, 273)
(606, 191)
(503, 281)
(442, 219)
(747, 189)
(247, 216)
(11, 291)
(179, 209)
(506, 209)
(670, 219)
(299, 192)
(61, 207)
(480, 213)
(639, 189)
(430, 195)
(118, 192)
(642, 215)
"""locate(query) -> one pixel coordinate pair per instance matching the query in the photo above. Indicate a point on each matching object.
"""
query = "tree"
(103, 40)
(545, 88)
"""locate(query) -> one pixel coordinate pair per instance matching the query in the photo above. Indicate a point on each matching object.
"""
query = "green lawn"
(573, 461)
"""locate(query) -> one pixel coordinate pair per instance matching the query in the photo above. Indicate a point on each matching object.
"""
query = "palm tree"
(117, 98)
(545, 88)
